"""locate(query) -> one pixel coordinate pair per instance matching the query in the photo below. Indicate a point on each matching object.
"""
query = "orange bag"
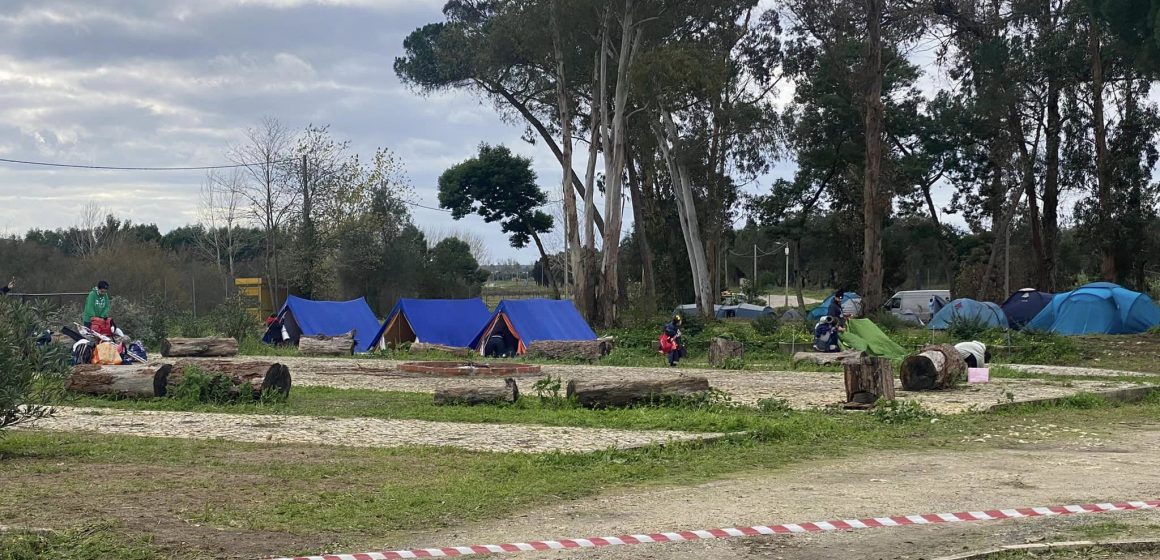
(106, 354)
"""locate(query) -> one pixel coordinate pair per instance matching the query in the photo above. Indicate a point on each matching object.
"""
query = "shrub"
(733, 362)
(31, 376)
(774, 406)
(900, 411)
(231, 318)
(966, 328)
(146, 322)
(766, 325)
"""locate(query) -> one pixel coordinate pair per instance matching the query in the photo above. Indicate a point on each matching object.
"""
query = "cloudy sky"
(174, 83)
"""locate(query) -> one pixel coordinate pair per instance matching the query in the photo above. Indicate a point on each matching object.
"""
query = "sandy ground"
(1121, 466)
(779, 300)
(802, 389)
(356, 432)
(1067, 370)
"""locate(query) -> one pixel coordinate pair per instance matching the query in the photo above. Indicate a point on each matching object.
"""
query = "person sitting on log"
(826, 335)
(671, 344)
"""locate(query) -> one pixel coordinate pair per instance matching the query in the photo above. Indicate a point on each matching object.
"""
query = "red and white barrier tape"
(815, 527)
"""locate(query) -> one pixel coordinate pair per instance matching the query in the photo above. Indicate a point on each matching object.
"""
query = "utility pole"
(787, 274)
(1007, 264)
(753, 283)
(307, 227)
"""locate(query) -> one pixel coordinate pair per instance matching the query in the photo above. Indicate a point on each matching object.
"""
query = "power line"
(135, 168)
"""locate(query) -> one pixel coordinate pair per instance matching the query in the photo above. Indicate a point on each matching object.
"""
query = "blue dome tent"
(1024, 305)
(989, 313)
(1098, 308)
(850, 302)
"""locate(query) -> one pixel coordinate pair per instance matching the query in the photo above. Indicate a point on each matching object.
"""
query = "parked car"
(916, 303)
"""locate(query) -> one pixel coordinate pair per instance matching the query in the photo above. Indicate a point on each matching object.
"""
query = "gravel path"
(1068, 370)
(356, 432)
(801, 389)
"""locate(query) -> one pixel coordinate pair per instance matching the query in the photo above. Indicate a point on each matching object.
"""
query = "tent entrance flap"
(398, 331)
(495, 327)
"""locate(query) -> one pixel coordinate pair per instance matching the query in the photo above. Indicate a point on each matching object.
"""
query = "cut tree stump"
(721, 350)
(829, 358)
(322, 345)
(596, 394)
(420, 347)
(586, 350)
(254, 377)
(199, 347)
(123, 381)
(867, 381)
(935, 367)
(508, 393)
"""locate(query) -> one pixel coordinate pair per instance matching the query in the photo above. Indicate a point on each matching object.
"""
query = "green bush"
(231, 318)
(31, 376)
(199, 387)
(733, 362)
(143, 321)
(766, 325)
(901, 411)
(966, 328)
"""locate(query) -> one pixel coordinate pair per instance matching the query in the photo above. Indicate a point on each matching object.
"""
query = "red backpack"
(101, 326)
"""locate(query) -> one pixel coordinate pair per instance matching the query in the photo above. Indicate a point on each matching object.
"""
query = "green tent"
(864, 335)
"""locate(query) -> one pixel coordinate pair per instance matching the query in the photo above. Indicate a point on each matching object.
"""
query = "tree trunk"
(1048, 272)
(341, 345)
(648, 292)
(868, 380)
(203, 347)
(586, 275)
(248, 378)
(667, 137)
(1103, 181)
(546, 266)
(577, 350)
(122, 381)
(595, 394)
(874, 201)
(721, 350)
(564, 112)
(933, 368)
(615, 154)
(507, 394)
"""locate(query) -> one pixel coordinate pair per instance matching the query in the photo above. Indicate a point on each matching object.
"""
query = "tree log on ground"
(253, 376)
(829, 358)
(597, 394)
(420, 347)
(935, 367)
(582, 350)
(506, 394)
(721, 350)
(123, 381)
(199, 347)
(868, 380)
(322, 345)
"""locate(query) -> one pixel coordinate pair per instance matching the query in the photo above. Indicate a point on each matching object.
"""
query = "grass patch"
(98, 542)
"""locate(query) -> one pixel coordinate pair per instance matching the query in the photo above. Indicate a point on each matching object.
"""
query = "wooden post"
(867, 381)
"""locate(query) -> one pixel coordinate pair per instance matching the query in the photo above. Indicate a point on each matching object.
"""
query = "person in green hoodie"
(97, 304)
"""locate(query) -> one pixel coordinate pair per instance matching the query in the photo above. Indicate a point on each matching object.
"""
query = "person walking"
(97, 307)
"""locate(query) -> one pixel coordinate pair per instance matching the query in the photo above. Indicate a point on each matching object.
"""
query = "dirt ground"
(1122, 466)
(802, 389)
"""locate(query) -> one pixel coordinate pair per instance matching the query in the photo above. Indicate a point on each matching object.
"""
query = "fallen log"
(122, 381)
(721, 350)
(867, 381)
(508, 393)
(829, 358)
(420, 347)
(322, 345)
(597, 394)
(247, 379)
(199, 347)
(580, 350)
(935, 367)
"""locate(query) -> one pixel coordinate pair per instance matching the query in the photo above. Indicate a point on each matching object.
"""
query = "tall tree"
(265, 152)
(500, 187)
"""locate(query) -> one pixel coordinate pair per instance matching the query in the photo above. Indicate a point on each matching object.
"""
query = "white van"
(915, 303)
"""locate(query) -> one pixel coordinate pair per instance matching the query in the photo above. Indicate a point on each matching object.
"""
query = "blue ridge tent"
(1097, 308)
(850, 302)
(530, 320)
(987, 312)
(1024, 305)
(450, 322)
(739, 311)
(330, 318)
